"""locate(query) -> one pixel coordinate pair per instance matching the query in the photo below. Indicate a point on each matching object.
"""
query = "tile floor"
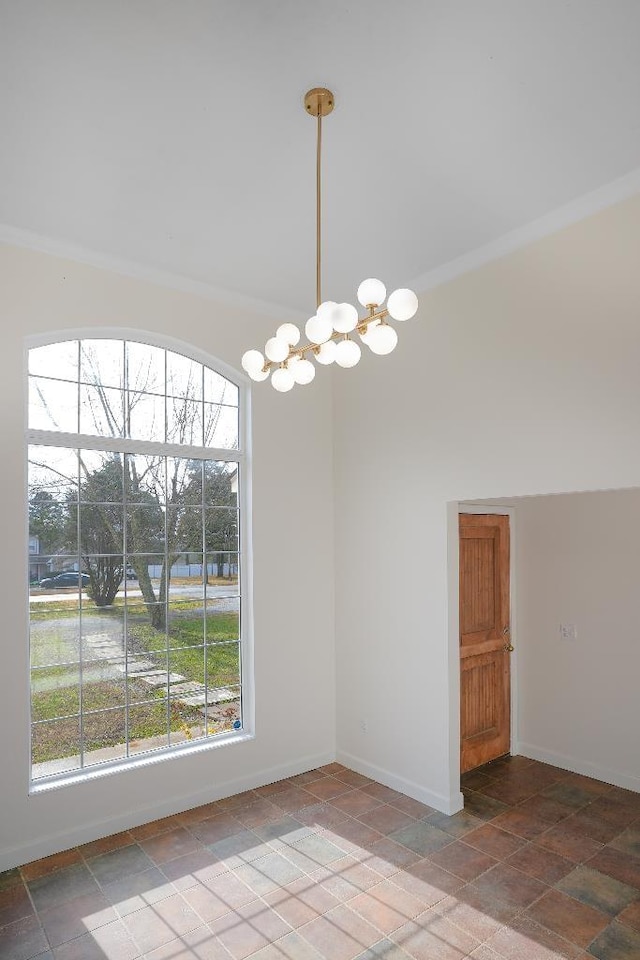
(541, 864)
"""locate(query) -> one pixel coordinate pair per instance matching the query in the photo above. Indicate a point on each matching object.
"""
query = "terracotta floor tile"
(105, 844)
(301, 901)
(340, 934)
(295, 798)
(346, 878)
(386, 819)
(289, 947)
(462, 860)
(22, 939)
(356, 802)
(384, 950)
(569, 793)
(520, 823)
(421, 837)
(598, 890)
(162, 922)
(134, 891)
(216, 828)
(523, 939)
(413, 807)
(586, 824)
(617, 942)
(356, 869)
(509, 886)
(614, 811)
(10, 878)
(267, 874)
(382, 792)
(631, 916)
(40, 868)
(193, 868)
(432, 937)
(110, 942)
(427, 881)
(198, 944)
(62, 886)
(326, 789)
(484, 808)
(628, 841)
(508, 792)
(169, 845)
(259, 813)
(540, 863)
(14, 904)
(352, 778)
(73, 919)
(457, 825)
(474, 779)
(544, 808)
(618, 865)
(388, 857)
(565, 843)
(321, 815)
(570, 919)
(476, 912)
(242, 847)
(494, 841)
(387, 906)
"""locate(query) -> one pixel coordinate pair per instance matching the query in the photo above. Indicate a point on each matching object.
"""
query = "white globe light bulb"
(326, 309)
(382, 340)
(318, 329)
(365, 337)
(326, 353)
(258, 375)
(252, 360)
(289, 333)
(303, 372)
(402, 304)
(371, 293)
(276, 349)
(344, 317)
(282, 379)
(348, 353)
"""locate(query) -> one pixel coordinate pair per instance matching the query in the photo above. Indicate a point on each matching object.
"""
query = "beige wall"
(293, 556)
(519, 378)
(578, 562)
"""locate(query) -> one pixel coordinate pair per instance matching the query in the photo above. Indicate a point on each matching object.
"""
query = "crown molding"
(17, 237)
(579, 209)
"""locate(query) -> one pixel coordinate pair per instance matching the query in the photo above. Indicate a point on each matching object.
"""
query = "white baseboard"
(85, 832)
(444, 804)
(575, 765)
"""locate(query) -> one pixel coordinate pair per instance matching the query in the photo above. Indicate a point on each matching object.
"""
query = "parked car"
(70, 578)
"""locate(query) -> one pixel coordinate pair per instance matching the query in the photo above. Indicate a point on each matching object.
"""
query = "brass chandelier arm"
(361, 327)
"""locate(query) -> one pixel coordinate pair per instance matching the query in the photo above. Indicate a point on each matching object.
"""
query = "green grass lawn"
(55, 694)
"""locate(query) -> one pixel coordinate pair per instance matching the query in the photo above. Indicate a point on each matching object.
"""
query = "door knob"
(508, 648)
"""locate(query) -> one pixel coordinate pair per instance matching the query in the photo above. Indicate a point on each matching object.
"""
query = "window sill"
(105, 769)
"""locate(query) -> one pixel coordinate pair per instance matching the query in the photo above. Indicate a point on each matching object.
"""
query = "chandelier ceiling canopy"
(330, 330)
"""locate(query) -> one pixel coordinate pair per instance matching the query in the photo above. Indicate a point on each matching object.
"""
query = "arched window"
(136, 466)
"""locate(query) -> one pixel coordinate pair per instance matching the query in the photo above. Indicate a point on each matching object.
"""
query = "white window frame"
(241, 456)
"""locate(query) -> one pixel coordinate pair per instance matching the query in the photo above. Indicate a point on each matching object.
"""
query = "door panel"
(484, 639)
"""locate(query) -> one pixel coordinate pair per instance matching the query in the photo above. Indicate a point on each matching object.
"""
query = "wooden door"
(485, 639)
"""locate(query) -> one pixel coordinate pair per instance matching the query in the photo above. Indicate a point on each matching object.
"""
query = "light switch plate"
(568, 631)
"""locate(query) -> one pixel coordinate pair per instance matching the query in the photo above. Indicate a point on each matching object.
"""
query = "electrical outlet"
(568, 631)
(364, 726)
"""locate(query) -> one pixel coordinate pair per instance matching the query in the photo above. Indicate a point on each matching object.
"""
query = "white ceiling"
(171, 133)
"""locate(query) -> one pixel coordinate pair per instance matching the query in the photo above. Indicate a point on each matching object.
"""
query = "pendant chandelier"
(328, 331)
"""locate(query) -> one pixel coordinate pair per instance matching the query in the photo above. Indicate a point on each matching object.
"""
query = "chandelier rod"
(319, 209)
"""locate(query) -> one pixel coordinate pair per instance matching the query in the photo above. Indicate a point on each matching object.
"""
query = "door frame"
(453, 534)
